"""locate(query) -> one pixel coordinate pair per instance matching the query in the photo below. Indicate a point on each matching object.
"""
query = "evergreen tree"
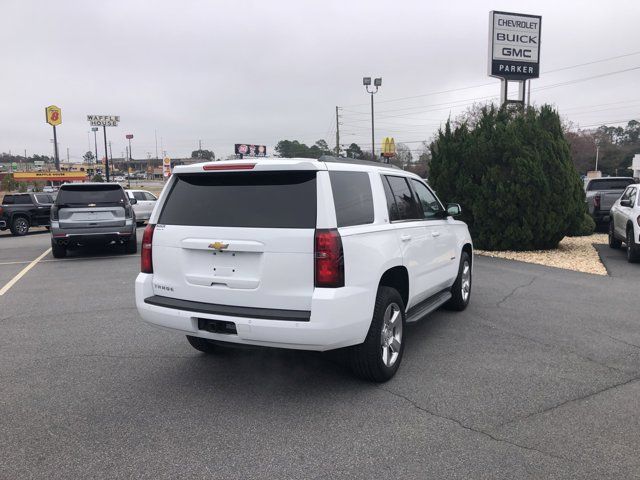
(512, 173)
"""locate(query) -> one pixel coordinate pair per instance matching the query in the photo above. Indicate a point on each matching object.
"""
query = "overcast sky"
(226, 72)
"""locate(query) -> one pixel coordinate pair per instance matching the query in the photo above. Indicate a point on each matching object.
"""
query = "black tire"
(19, 226)
(633, 249)
(461, 289)
(58, 251)
(613, 241)
(132, 244)
(202, 344)
(367, 359)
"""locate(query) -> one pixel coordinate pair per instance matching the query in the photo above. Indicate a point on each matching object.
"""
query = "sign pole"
(106, 156)
(55, 148)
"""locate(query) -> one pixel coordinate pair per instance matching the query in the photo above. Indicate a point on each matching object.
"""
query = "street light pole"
(597, 154)
(366, 81)
(95, 140)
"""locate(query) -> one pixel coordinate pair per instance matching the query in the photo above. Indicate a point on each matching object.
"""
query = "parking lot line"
(22, 273)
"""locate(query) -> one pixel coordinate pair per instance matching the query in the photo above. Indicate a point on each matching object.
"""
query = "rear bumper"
(338, 318)
(94, 234)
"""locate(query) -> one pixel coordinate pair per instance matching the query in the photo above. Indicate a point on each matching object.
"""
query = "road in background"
(538, 378)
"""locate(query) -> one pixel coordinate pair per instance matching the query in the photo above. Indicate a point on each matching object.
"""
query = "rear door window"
(98, 195)
(150, 197)
(139, 196)
(400, 200)
(238, 199)
(44, 198)
(22, 200)
(352, 198)
(8, 200)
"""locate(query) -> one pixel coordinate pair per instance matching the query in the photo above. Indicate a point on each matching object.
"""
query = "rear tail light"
(54, 212)
(329, 260)
(127, 211)
(146, 257)
(596, 201)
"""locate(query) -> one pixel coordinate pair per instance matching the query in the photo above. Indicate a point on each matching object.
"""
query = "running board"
(427, 306)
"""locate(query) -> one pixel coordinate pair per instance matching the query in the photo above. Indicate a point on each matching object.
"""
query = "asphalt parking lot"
(538, 378)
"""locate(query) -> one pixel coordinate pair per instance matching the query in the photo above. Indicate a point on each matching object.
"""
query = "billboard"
(103, 120)
(514, 45)
(53, 115)
(249, 150)
(53, 175)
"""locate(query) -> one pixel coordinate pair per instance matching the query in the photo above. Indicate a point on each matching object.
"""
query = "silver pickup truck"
(601, 194)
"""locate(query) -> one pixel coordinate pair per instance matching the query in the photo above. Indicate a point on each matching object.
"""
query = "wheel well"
(467, 248)
(398, 278)
(21, 215)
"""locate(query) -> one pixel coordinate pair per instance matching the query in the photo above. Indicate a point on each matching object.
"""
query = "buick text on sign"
(514, 45)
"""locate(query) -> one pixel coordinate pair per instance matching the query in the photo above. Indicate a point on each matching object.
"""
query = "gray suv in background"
(89, 213)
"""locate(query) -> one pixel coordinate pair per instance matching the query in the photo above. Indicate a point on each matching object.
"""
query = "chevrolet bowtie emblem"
(218, 245)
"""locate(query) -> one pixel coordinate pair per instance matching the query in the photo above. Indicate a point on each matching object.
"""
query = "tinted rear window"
(352, 198)
(107, 194)
(609, 184)
(44, 198)
(240, 199)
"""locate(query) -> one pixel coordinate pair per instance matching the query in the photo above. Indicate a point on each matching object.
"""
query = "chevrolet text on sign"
(103, 120)
(514, 45)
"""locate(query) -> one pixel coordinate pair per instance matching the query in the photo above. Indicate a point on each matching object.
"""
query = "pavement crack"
(571, 400)
(616, 339)
(515, 289)
(555, 346)
(472, 429)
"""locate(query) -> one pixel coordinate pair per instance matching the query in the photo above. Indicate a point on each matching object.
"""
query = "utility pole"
(155, 133)
(366, 81)
(337, 132)
(200, 145)
(106, 157)
(110, 153)
(68, 155)
(95, 140)
(597, 154)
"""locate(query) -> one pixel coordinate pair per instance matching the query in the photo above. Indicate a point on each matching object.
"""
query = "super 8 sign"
(53, 115)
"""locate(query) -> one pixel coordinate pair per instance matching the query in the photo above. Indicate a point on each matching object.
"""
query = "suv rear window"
(609, 184)
(240, 199)
(107, 194)
(352, 198)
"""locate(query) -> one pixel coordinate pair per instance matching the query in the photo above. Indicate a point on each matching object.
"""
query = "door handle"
(405, 238)
(435, 234)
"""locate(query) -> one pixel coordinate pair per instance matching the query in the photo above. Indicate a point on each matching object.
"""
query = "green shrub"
(512, 173)
(586, 227)
(97, 178)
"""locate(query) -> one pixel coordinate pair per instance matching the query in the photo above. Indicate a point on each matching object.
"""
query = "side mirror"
(625, 203)
(133, 201)
(454, 209)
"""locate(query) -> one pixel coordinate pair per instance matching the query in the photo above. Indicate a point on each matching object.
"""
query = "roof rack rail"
(330, 159)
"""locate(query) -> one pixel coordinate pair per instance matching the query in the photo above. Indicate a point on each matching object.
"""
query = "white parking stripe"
(71, 259)
(22, 273)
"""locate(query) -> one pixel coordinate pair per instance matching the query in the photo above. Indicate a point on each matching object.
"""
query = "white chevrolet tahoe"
(303, 254)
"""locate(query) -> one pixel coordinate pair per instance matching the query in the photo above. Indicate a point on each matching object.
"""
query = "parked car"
(625, 223)
(48, 189)
(21, 211)
(85, 213)
(119, 178)
(302, 254)
(145, 201)
(601, 193)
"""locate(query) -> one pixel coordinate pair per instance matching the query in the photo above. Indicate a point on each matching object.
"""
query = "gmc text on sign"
(514, 45)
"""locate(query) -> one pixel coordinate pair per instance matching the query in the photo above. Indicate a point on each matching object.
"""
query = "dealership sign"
(514, 45)
(103, 120)
(246, 149)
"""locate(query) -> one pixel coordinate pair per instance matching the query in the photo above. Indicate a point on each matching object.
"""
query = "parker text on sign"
(514, 45)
